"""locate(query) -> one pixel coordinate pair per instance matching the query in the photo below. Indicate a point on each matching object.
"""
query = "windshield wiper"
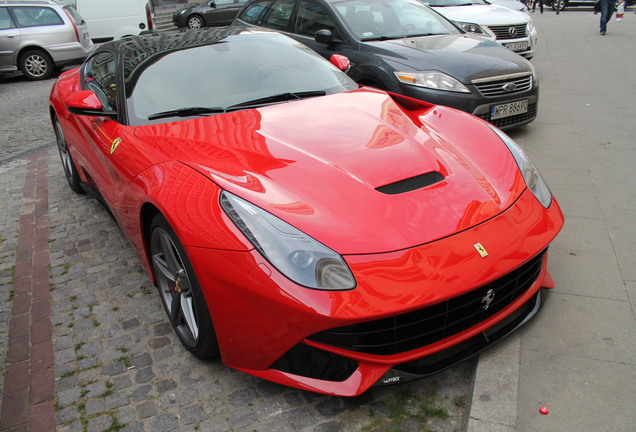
(186, 112)
(282, 97)
(193, 111)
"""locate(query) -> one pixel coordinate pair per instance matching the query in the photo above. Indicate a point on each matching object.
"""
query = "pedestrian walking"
(606, 7)
(534, 5)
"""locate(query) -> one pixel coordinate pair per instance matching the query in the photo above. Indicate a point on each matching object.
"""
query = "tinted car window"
(5, 19)
(100, 77)
(311, 18)
(221, 75)
(277, 16)
(31, 16)
(74, 14)
(253, 12)
(375, 19)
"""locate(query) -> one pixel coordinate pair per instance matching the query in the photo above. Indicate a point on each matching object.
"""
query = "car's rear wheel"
(180, 291)
(36, 65)
(559, 5)
(70, 172)
(195, 22)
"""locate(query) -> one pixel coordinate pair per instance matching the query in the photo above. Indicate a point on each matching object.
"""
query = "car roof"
(147, 44)
(30, 2)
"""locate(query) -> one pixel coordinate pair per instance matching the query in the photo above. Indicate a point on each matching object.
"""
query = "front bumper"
(265, 323)
(477, 104)
(180, 20)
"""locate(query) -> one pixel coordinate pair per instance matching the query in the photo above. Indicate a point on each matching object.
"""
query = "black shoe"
(602, 33)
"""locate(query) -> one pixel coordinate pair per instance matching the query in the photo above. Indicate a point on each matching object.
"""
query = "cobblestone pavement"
(115, 363)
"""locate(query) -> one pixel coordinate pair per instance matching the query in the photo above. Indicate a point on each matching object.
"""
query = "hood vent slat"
(411, 184)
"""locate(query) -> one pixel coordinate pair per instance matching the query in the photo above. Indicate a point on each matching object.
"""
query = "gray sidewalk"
(578, 356)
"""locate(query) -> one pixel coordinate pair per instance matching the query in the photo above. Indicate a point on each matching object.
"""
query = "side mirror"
(340, 61)
(323, 36)
(212, 4)
(86, 102)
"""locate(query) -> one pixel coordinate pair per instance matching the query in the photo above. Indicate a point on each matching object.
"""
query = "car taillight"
(151, 24)
(77, 36)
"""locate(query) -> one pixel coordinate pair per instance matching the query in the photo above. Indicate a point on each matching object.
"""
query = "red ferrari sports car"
(308, 231)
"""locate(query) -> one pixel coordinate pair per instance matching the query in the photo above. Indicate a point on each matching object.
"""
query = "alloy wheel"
(175, 287)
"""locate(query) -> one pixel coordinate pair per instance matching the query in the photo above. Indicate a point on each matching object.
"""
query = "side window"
(223, 2)
(311, 18)
(277, 17)
(100, 77)
(5, 19)
(31, 16)
(253, 12)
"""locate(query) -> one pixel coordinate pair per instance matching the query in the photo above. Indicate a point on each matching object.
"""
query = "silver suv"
(40, 36)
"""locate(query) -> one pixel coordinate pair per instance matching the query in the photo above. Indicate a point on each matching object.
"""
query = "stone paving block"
(242, 417)
(164, 422)
(191, 414)
(300, 418)
(329, 427)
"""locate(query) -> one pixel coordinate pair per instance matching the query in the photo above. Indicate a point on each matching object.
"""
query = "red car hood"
(316, 164)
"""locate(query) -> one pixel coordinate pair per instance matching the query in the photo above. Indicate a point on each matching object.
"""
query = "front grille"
(507, 86)
(509, 31)
(426, 326)
(512, 120)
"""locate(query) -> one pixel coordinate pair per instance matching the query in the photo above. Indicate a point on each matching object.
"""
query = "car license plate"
(508, 109)
(517, 46)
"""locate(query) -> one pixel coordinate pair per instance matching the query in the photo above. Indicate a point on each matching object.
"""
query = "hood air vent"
(411, 184)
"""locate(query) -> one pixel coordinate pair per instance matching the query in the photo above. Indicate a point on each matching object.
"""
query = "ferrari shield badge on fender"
(482, 251)
(114, 145)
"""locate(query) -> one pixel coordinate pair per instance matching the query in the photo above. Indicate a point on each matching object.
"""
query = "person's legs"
(606, 14)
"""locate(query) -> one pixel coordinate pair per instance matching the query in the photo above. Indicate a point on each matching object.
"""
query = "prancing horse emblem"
(482, 250)
(488, 298)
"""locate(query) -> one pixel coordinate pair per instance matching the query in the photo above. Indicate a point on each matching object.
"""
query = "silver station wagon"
(40, 36)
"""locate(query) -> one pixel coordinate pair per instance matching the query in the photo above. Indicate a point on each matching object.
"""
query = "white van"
(114, 19)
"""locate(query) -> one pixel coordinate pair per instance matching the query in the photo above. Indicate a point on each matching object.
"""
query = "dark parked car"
(562, 4)
(406, 47)
(207, 14)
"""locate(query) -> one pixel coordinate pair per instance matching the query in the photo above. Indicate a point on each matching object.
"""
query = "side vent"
(411, 184)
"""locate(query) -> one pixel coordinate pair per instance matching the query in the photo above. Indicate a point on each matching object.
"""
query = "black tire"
(68, 165)
(180, 292)
(195, 22)
(36, 65)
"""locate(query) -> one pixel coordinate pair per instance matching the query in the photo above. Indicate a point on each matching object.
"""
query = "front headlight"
(296, 255)
(530, 173)
(431, 79)
(181, 12)
(475, 28)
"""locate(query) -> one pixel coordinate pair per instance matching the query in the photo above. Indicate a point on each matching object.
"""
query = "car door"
(102, 135)
(9, 40)
(302, 24)
(221, 12)
(311, 17)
